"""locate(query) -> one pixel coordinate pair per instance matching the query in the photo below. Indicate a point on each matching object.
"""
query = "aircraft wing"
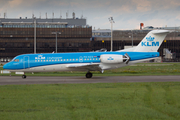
(88, 66)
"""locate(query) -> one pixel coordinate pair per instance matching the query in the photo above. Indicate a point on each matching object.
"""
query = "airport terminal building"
(19, 36)
(169, 50)
(36, 35)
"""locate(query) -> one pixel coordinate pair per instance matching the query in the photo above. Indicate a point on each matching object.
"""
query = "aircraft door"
(26, 62)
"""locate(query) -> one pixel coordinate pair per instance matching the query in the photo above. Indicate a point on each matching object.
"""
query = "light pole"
(132, 38)
(34, 35)
(56, 38)
(111, 21)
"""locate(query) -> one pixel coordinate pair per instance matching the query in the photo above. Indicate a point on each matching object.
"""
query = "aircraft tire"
(24, 76)
(89, 75)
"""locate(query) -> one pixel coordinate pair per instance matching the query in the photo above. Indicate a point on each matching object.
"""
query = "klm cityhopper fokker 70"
(89, 61)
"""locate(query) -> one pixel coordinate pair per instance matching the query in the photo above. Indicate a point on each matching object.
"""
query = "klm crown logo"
(110, 58)
(150, 38)
(40, 57)
(150, 42)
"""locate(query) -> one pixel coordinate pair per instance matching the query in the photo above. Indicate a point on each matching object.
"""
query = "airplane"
(89, 61)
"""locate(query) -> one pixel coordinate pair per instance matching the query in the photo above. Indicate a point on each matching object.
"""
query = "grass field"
(137, 69)
(101, 101)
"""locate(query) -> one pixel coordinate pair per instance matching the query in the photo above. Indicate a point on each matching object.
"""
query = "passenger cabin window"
(16, 60)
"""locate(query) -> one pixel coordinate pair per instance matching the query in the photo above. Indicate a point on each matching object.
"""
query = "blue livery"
(89, 61)
(33, 60)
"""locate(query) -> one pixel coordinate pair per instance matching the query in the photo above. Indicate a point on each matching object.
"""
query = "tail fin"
(152, 41)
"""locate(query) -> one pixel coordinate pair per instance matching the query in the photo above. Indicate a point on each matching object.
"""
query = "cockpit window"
(16, 60)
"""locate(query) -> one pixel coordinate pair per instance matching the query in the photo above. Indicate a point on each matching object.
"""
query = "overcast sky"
(127, 14)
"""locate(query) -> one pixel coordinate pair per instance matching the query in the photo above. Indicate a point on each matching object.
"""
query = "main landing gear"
(89, 75)
(23, 76)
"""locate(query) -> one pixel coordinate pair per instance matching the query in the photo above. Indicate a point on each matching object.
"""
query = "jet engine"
(114, 59)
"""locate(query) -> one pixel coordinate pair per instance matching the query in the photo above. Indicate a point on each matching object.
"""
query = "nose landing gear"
(23, 76)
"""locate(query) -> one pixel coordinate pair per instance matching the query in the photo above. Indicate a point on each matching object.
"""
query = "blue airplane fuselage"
(35, 60)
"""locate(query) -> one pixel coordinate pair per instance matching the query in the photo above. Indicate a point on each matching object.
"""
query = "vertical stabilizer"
(152, 41)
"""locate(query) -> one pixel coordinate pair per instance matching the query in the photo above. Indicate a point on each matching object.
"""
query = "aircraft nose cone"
(6, 66)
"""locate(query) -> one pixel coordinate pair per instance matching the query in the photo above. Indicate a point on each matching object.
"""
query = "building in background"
(169, 50)
(17, 36)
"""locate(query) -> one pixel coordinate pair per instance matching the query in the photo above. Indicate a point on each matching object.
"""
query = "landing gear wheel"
(88, 75)
(24, 76)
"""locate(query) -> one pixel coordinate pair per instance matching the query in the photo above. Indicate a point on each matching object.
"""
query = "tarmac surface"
(17, 80)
